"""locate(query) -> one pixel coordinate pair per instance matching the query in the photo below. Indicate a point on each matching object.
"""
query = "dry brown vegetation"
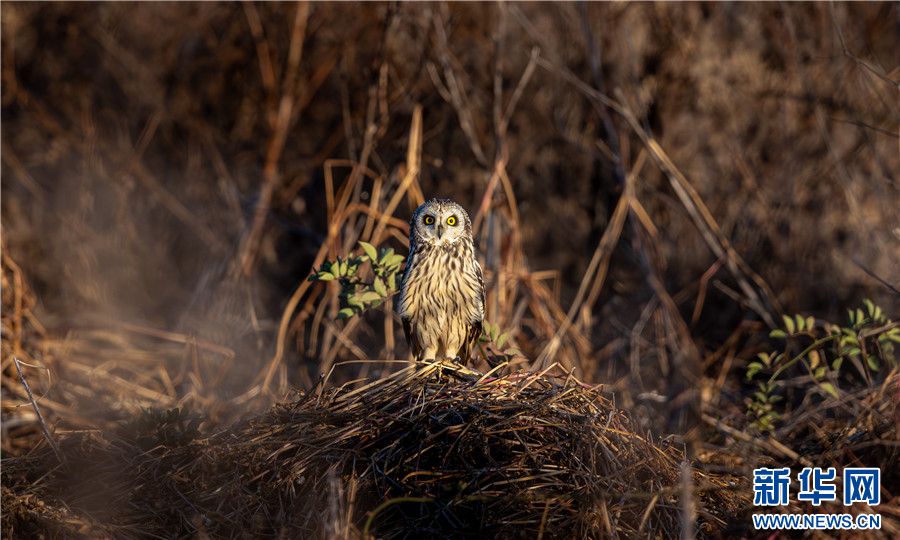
(652, 187)
(428, 449)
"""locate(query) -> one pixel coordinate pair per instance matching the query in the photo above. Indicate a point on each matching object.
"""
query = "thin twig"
(37, 411)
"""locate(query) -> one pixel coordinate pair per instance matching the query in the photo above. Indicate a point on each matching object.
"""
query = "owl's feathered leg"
(415, 347)
(430, 353)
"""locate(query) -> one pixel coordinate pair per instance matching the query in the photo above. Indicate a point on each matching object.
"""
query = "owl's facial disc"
(440, 223)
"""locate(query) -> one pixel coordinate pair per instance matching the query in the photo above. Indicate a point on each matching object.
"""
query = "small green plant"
(867, 342)
(761, 408)
(493, 340)
(357, 294)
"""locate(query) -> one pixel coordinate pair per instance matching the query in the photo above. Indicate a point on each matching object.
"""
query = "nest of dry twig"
(431, 451)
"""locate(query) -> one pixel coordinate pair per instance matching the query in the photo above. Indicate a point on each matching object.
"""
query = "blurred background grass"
(137, 141)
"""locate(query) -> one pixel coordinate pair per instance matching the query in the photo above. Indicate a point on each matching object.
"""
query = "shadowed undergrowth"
(430, 451)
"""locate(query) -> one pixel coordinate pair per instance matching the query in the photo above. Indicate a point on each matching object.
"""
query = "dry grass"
(429, 451)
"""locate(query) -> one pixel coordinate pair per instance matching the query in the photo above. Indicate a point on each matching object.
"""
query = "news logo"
(772, 487)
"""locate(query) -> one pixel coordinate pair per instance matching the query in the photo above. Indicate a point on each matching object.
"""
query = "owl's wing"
(412, 339)
(474, 330)
(472, 335)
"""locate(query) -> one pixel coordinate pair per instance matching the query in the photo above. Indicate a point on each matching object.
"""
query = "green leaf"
(870, 307)
(753, 369)
(872, 363)
(860, 316)
(819, 373)
(370, 250)
(369, 296)
(789, 324)
(501, 339)
(801, 322)
(810, 323)
(346, 313)
(379, 287)
(335, 268)
(325, 276)
(392, 282)
(829, 388)
(777, 334)
(814, 359)
(836, 365)
(393, 261)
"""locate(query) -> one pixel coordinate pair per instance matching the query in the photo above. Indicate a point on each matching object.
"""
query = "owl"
(441, 300)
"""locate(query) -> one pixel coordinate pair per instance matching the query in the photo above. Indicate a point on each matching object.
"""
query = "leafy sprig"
(493, 340)
(357, 294)
(868, 340)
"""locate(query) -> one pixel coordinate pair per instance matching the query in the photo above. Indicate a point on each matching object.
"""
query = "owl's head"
(440, 222)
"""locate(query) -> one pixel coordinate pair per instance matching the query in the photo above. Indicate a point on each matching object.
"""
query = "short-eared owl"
(441, 300)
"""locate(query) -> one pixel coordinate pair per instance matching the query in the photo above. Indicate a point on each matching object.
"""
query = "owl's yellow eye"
(451, 220)
(429, 220)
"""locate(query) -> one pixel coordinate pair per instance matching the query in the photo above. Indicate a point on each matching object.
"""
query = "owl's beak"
(440, 231)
